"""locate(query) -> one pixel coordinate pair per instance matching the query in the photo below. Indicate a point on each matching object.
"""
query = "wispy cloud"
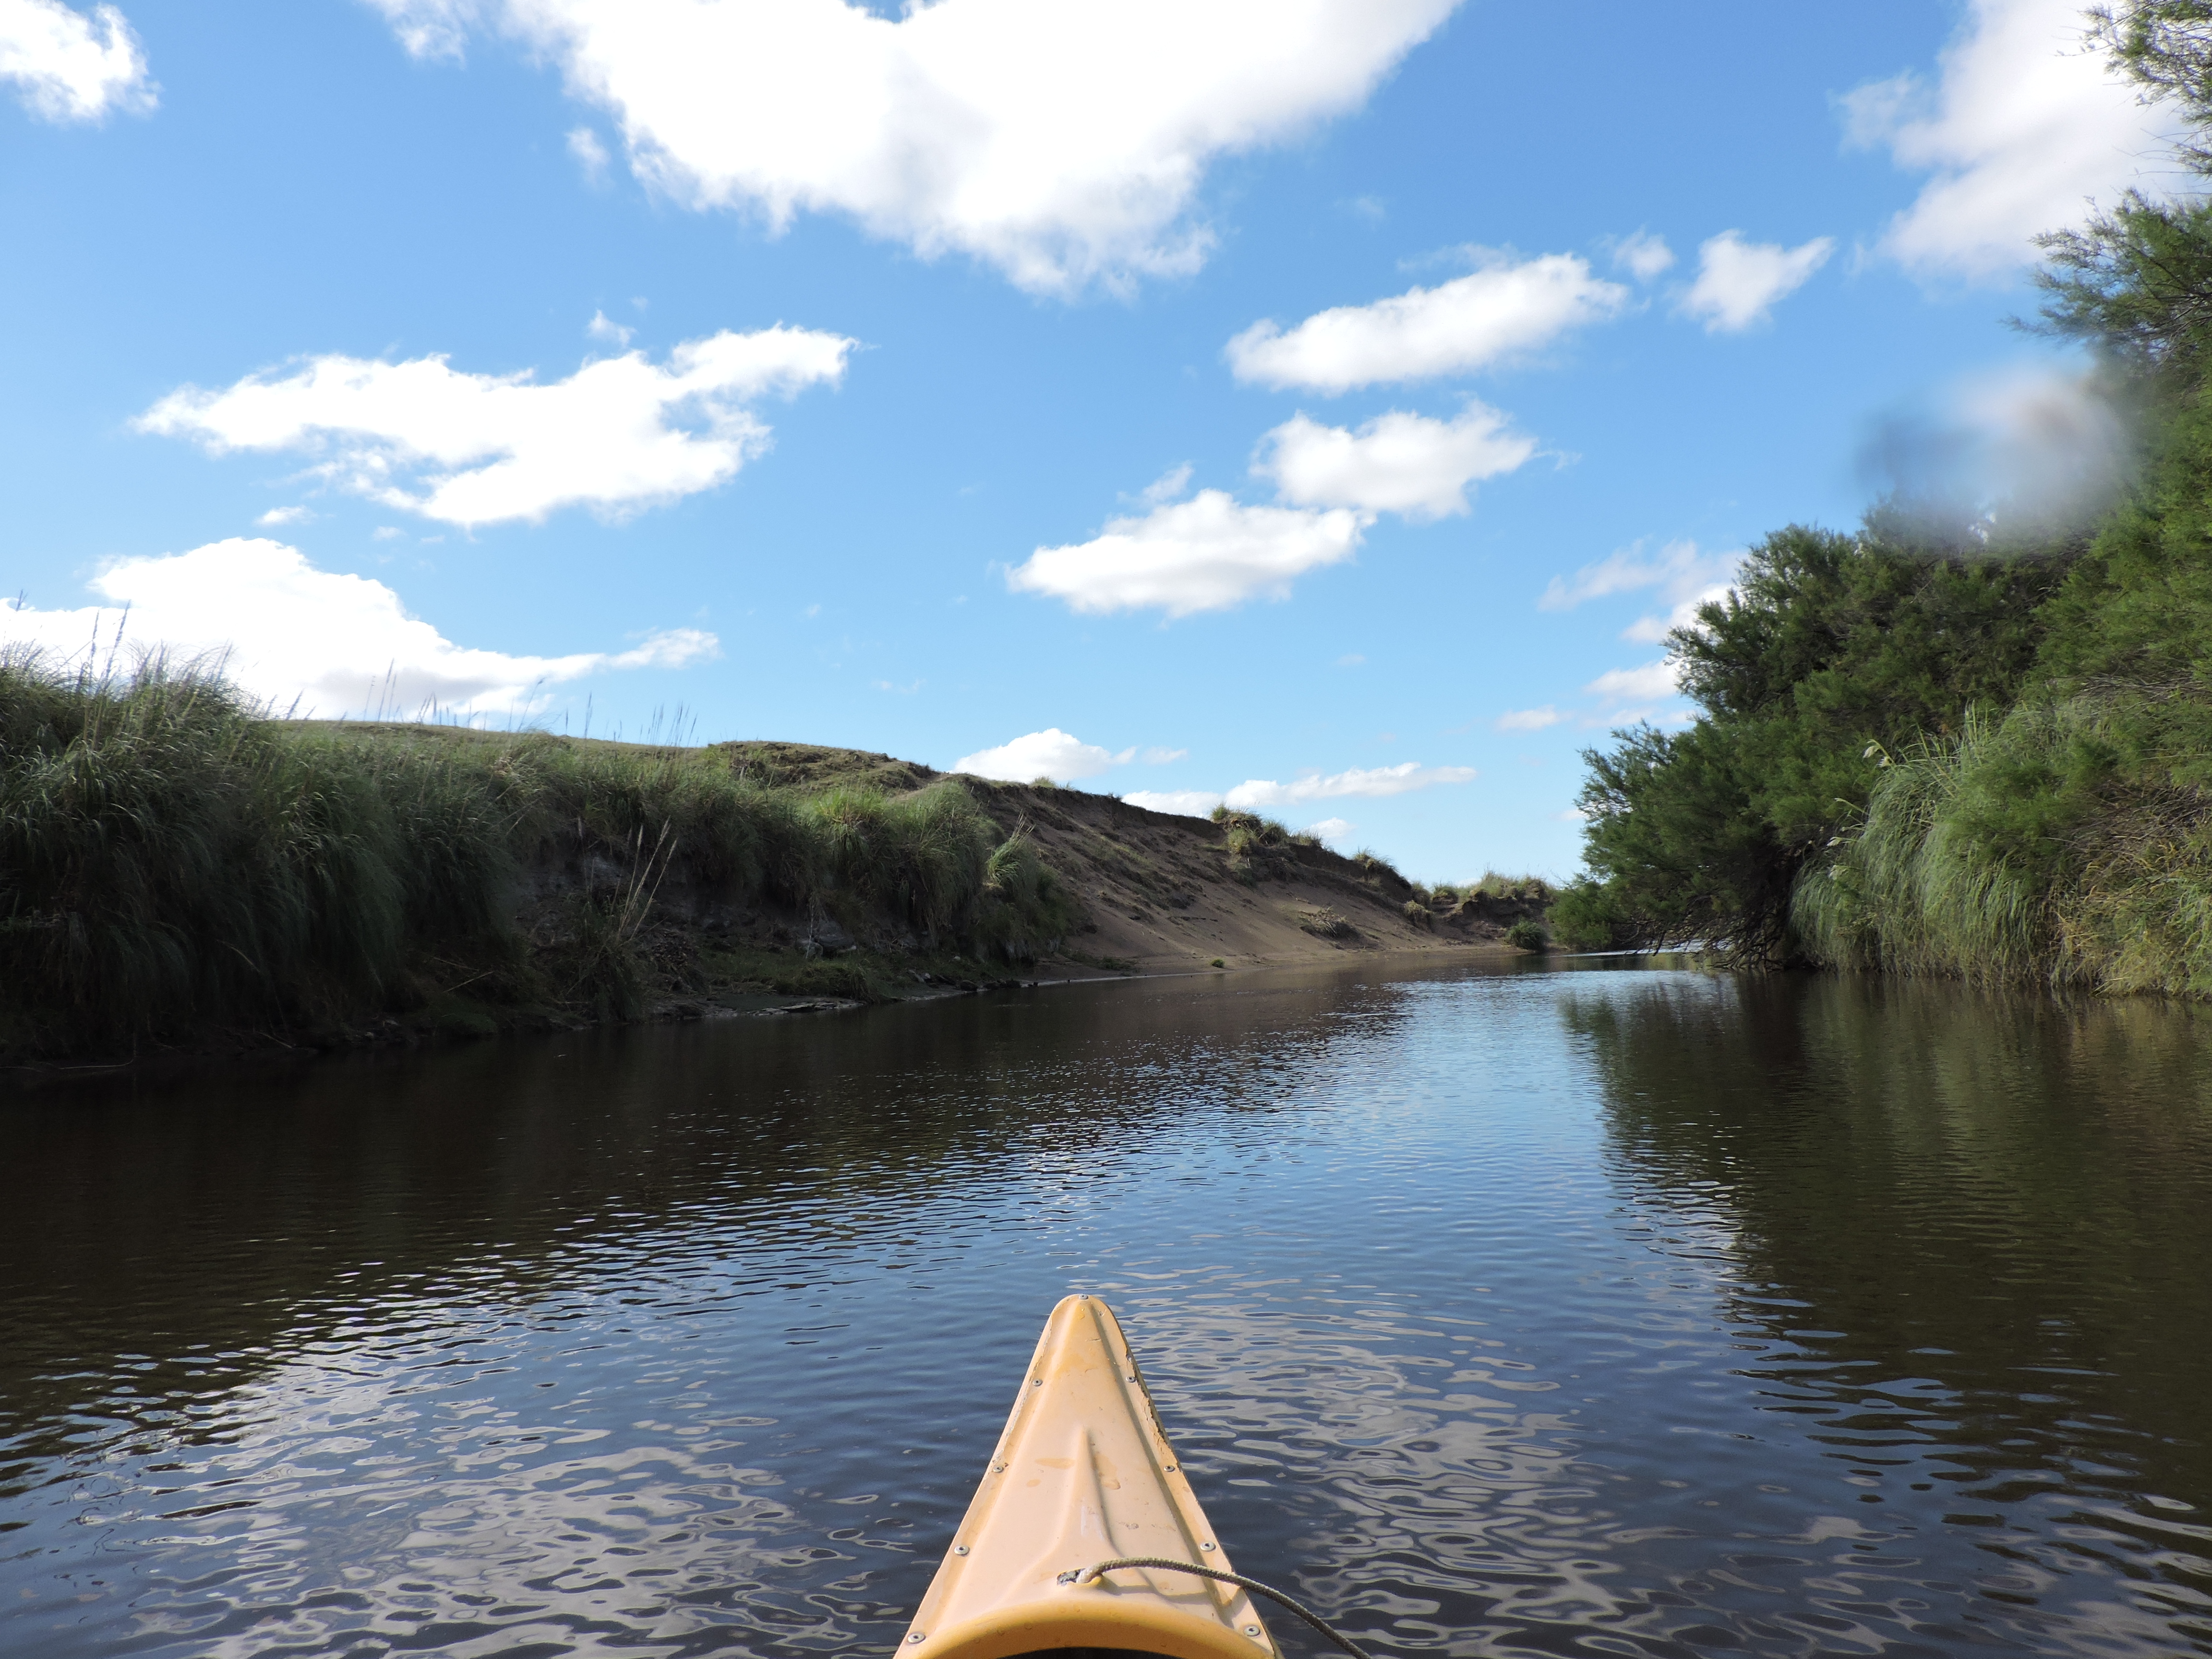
(1357, 783)
(1529, 720)
(1643, 255)
(591, 154)
(1680, 570)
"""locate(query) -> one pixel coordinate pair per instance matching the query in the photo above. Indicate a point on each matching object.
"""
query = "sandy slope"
(1159, 892)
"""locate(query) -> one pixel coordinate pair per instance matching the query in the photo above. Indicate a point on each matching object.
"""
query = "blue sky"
(1319, 403)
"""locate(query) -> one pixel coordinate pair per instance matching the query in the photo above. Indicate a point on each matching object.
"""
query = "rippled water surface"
(1628, 1312)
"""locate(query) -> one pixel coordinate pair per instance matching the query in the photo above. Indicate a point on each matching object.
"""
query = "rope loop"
(1081, 1576)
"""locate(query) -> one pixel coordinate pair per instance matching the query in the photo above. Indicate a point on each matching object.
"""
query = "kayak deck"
(1082, 1473)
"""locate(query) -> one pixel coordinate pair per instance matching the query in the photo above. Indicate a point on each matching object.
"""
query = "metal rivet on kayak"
(1036, 1381)
(1251, 1629)
(998, 1468)
(960, 1549)
(917, 1637)
(1205, 1546)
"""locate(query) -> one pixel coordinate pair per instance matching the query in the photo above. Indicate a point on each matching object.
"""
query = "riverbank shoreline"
(255, 1050)
(185, 877)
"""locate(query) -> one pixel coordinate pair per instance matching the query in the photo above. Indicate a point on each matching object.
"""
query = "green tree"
(1829, 649)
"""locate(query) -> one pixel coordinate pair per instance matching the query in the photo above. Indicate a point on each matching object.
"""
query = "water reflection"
(1609, 1311)
(1969, 1233)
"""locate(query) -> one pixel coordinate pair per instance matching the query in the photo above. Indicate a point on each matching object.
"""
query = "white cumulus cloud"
(1655, 679)
(314, 641)
(1182, 802)
(1208, 553)
(1529, 720)
(67, 65)
(1051, 753)
(1335, 831)
(1396, 463)
(1505, 308)
(618, 435)
(1740, 282)
(1358, 783)
(2022, 127)
(1264, 795)
(1062, 141)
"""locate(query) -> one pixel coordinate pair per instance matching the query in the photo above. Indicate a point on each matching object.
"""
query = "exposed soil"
(1160, 893)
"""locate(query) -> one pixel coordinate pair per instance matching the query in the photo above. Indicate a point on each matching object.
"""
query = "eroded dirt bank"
(1158, 893)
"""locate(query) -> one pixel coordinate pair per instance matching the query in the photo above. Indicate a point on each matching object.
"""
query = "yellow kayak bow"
(1084, 1474)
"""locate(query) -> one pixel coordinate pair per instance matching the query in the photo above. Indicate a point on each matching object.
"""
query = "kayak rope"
(1081, 1576)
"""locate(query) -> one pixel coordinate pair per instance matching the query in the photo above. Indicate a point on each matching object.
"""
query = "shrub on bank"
(1527, 934)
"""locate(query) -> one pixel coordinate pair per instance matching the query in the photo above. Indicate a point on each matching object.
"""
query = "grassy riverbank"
(1973, 738)
(178, 872)
(170, 862)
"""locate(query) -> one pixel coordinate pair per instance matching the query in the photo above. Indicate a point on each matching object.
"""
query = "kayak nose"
(1084, 1478)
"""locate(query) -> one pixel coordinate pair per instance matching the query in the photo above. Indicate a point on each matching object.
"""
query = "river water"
(1529, 1311)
